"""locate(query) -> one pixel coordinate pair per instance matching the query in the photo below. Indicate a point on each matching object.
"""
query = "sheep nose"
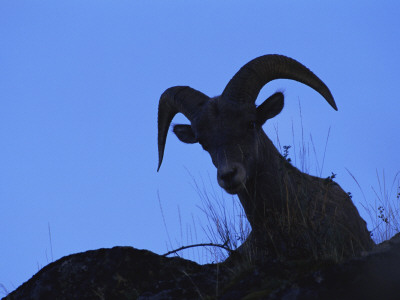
(228, 174)
(231, 177)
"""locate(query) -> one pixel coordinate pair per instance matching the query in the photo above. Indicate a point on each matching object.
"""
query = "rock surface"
(128, 273)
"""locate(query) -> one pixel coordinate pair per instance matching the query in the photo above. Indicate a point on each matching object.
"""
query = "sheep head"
(229, 127)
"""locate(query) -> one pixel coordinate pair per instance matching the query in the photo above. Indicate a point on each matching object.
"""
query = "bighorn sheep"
(292, 214)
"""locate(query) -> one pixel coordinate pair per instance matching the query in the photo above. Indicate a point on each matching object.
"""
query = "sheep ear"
(270, 108)
(185, 133)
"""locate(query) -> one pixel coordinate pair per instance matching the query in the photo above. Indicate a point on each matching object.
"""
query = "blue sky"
(79, 89)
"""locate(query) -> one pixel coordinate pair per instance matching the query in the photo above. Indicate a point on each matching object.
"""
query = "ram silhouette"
(292, 214)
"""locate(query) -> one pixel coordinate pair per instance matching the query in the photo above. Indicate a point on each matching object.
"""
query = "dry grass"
(3, 290)
(225, 229)
(384, 210)
(227, 222)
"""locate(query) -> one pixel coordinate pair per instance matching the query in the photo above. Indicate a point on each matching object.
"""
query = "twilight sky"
(79, 88)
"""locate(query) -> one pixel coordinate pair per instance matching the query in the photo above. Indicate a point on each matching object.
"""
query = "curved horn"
(177, 99)
(248, 81)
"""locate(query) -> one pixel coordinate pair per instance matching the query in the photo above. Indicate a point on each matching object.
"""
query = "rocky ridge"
(129, 273)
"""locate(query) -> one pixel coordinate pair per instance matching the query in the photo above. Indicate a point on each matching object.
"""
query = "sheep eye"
(252, 125)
